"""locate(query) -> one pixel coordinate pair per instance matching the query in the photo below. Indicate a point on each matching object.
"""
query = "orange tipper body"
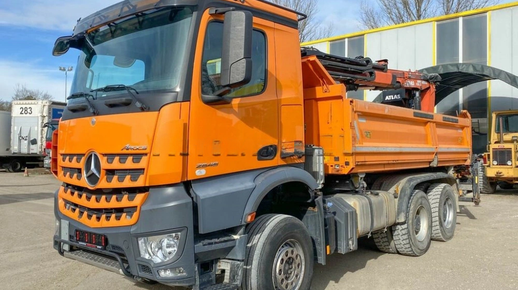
(364, 137)
(193, 125)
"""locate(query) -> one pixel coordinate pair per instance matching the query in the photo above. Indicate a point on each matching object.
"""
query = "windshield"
(509, 122)
(144, 51)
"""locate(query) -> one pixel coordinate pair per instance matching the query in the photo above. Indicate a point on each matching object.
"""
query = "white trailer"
(28, 132)
(5, 133)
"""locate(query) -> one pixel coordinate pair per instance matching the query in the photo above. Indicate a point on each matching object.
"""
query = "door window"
(211, 63)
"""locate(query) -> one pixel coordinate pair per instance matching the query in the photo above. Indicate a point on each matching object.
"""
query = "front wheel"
(484, 185)
(279, 254)
(15, 165)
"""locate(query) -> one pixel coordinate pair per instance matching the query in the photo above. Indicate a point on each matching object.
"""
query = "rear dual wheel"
(444, 211)
(413, 237)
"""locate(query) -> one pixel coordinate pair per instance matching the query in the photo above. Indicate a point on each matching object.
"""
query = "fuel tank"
(375, 210)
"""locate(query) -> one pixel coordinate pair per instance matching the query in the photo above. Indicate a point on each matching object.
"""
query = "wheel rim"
(16, 166)
(447, 213)
(288, 266)
(421, 225)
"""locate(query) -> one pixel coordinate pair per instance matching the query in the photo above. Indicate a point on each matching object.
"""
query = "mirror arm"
(222, 92)
(220, 11)
(215, 100)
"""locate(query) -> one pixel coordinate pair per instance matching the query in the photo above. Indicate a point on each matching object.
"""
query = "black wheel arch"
(272, 179)
(409, 183)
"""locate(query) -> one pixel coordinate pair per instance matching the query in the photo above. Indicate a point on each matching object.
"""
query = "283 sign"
(25, 110)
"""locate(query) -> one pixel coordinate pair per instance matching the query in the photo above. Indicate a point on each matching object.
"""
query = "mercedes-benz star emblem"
(92, 169)
(92, 122)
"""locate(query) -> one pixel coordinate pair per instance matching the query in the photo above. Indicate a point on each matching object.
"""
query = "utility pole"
(66, 70)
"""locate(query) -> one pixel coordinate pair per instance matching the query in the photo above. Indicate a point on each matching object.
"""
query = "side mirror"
(236, 60)
(61, 45)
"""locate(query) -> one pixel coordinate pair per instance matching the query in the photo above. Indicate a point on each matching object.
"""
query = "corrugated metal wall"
(504, 46)
(489, 37)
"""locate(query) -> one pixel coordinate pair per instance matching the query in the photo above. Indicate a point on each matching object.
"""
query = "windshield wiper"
(91, 107)
(113, 88)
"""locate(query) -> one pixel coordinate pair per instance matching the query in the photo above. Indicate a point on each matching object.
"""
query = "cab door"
(241, 133)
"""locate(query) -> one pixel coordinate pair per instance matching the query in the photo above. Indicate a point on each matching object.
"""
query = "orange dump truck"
(202, 147)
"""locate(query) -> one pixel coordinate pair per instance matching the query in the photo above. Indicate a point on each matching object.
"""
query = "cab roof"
(130, 7)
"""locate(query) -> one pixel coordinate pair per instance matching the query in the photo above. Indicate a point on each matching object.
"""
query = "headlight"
(509, 162)
(159, 248)
(495, 162)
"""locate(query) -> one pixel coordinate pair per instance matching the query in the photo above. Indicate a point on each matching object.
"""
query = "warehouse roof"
(434, 19)
(458, 75)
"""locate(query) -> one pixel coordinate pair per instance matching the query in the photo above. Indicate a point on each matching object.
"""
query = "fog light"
(509, 163)
(159, 248)
(495, 162)
(175, 272)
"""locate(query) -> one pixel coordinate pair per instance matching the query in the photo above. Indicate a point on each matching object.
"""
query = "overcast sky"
(28, 29)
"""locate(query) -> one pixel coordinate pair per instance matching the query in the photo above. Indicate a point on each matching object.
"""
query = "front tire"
(505, 185)
(444, 211)
(484, 185)
(413, 237)
(279, 254)
(15, 165)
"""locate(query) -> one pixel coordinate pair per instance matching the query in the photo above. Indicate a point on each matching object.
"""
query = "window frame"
(266, 58)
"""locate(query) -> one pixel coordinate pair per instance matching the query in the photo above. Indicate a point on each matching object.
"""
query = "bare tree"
(389, 12)
(5, 106)
(310, 28)
(23, 93)
(455, 6)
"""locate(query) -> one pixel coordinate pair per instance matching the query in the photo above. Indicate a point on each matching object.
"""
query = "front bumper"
(502, 173)
(166, 210)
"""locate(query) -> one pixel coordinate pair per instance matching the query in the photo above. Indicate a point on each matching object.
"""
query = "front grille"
(72, 173)
(108, 214)
(110, 158)
(101, 209)
(134, 175)
(118, 170)
(71, 158)
(145, 269)
(501, 156)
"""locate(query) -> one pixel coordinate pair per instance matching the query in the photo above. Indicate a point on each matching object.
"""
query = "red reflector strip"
(102, 241)
(86, 237)
(93, 239)
(77, 235)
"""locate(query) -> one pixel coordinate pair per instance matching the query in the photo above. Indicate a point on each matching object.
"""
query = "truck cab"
(151, 76)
